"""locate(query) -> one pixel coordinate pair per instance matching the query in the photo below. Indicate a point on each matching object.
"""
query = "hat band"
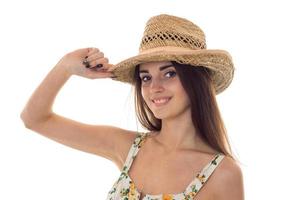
(166, 49)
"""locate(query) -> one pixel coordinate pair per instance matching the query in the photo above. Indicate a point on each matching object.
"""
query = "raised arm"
(106, 141)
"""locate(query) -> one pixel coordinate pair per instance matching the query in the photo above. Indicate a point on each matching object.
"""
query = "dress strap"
(140, 138)
(201, 178)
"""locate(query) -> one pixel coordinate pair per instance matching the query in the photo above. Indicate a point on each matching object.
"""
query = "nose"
(156, 85)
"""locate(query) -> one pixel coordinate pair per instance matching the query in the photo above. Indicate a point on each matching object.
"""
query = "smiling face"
(162, 90)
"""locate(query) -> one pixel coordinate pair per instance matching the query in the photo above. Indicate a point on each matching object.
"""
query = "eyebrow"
(160, 68)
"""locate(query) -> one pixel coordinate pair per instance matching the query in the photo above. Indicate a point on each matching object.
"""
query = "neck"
(179, 134)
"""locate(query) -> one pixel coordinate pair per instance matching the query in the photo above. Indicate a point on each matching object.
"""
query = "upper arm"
(229, 182)
(106, 141)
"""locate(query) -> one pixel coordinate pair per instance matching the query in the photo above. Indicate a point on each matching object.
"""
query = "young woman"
(185, 154)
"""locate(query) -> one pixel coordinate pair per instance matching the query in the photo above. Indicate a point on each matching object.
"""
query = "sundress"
(125, 189)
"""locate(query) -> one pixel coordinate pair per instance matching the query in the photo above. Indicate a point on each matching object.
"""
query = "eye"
(170, 73)
(143, 78)
(173, 73)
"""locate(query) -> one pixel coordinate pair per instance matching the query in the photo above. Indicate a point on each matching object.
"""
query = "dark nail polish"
(85, 62)
(86, 57)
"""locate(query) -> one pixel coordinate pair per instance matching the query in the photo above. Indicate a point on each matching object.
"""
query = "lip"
(159, 98)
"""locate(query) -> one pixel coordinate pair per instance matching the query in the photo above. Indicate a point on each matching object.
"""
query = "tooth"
(161, 100)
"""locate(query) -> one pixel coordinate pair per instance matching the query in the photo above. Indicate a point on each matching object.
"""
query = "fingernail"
(86, 57)
(85, 62)
(99, 65)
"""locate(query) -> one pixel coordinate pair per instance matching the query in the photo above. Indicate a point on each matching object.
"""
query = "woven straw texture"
(171, 38)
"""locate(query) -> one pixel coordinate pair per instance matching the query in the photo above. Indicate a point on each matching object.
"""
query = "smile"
(161, 102)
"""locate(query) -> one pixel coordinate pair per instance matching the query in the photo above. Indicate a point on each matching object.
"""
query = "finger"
(110, 67)
(103, 68)
(94, 73)
(87, 50)
(95, 56)
(86, 60)
(91, 51)
(99, 61)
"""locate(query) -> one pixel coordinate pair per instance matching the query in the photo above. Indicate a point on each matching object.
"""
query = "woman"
(175, 79)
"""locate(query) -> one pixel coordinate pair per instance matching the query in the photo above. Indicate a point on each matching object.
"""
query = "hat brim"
(219, 63)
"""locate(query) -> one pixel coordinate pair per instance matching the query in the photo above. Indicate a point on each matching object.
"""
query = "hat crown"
(167, 30)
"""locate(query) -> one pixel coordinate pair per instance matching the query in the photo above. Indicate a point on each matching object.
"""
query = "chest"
(156, 174)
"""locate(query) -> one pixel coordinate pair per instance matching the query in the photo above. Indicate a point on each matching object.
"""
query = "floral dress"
(125, 189)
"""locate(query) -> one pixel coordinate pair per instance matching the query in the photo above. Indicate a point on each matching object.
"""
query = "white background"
(260, 108)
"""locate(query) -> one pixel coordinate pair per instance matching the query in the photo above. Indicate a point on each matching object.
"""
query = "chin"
(163, 115)
(170, 112)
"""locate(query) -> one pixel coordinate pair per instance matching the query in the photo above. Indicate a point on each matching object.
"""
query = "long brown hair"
(205, 113)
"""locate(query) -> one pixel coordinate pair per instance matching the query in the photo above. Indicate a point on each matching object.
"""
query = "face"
(162, 90)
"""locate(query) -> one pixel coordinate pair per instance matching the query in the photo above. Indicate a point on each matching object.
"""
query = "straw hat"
(171, 38)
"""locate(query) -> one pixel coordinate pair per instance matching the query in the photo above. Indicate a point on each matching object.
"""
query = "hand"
(73, 61)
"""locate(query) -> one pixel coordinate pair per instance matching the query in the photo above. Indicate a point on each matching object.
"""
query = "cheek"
(145, 95)
(176, 87)
(143, 92)
(181, 93)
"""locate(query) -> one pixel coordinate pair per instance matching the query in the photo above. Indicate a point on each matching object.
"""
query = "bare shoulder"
(229, 180)
(124, 147)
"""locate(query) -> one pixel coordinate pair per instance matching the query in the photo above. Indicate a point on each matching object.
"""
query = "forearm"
(39, 106)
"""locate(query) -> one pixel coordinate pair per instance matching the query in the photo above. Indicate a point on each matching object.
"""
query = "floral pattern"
(125, 189)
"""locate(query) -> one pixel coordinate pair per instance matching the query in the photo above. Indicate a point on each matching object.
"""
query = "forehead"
(154, 65)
